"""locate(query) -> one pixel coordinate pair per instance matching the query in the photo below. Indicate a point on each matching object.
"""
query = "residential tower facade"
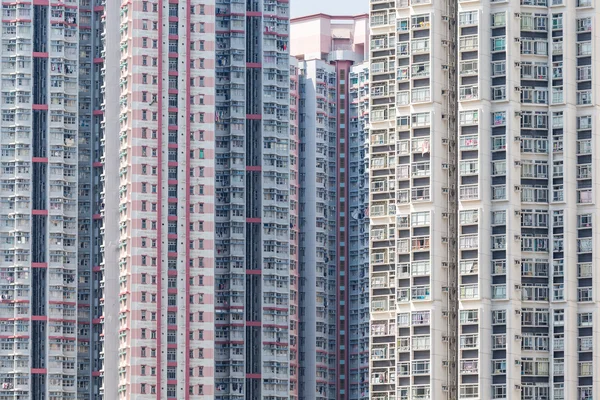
(333, 253)
(492, 296)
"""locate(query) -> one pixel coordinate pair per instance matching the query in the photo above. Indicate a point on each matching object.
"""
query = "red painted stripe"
(39, 159)
(39, 265)
(253, 272)
(39, 318)
(159, 211)
(253, 65)
(254, 116)
(254, 168)
(42, 107)
(39, 371)
(253, 220)
(39, 212)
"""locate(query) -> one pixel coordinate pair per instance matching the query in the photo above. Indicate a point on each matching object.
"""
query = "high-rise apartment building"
(255, 328)
(358, 314)
(483, 117)
(163, 174)
(411, 200)
(38, 200)
(107, 200)
(333, 246)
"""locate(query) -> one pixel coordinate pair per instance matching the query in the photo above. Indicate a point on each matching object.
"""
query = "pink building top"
(316, 36)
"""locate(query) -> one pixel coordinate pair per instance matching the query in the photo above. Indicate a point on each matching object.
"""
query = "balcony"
(420, 46)
(421, 95)
(420, 293)
(468, 43)
(469, 341)
(584, 196)
(469, 367)
(468, 267)
(421, 169)
(468, 242)
(469, 92)
(584, 97)
(469, 192)
(469, 142)
(420, 193)
(469, 292)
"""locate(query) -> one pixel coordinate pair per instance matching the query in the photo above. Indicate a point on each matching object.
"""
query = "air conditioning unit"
(517, 237)
(445, 165)
(518, 64)
(517, 113)
(517, 15)
(517, 40)
(517, 213)
(517, 262)
(517, 138)
(445, 215)
(517, 387)
(518, 89)
(517, 337)
(517, 188)
(517, 362)
(517, 163)
(517, 287)
(445, 264)
(445, 239)
(518, 312)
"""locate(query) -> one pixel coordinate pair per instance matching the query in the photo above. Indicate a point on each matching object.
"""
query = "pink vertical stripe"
(159, 210)
(187, 200)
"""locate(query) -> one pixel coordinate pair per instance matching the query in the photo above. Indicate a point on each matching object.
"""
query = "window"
(499, 19)
(498, 317)
(499, 43)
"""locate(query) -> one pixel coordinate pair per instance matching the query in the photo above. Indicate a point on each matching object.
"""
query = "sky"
(300, 8)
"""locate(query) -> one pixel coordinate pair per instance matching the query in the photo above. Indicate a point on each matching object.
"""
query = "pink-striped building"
(158, 222)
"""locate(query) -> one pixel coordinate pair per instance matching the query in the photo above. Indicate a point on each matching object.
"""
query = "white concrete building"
(493, 217)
